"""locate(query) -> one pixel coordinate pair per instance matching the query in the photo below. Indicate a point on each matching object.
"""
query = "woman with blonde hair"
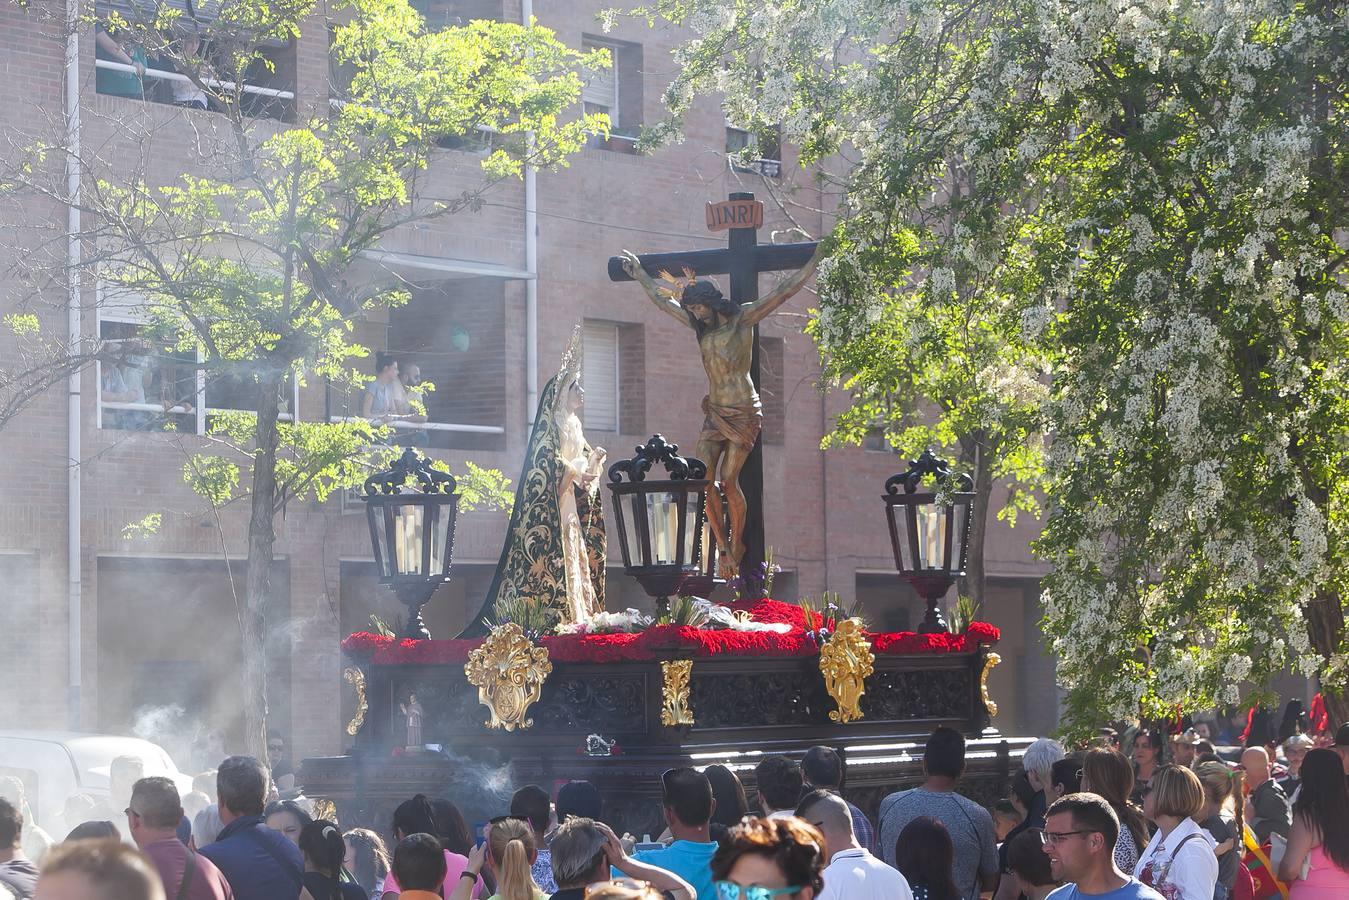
(1179, 862)
(1222, 817)
(509, 851)
(1110, 775)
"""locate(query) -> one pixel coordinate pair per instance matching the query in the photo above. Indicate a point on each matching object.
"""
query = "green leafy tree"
(242, 252)
(1154, 193)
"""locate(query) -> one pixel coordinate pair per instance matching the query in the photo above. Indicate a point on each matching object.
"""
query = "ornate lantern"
(412, 531)
(930, 539)
(662, 525)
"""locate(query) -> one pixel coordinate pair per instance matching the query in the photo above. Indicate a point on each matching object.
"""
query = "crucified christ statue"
(733, 414)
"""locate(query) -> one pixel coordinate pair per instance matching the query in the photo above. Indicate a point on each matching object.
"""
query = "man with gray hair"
(853, 872)
(258, 863)
(153, 817)
(583, 851)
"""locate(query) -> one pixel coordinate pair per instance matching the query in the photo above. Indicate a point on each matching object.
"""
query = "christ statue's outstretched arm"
(633, 266)
(754, 313)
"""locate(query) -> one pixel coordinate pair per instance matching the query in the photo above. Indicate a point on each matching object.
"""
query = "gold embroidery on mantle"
(989, 662)
(356, 678)
(845, 662)
(675, 708)
(530, 570)
(509, 671)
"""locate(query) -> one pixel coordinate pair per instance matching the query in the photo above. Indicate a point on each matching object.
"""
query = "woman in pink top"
(1316, 864)
(418, 816)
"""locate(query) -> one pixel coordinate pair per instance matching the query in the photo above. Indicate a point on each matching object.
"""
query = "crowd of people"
(1171, 819)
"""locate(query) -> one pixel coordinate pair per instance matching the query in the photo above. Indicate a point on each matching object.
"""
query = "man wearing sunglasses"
(1079, 839)
(852, 873)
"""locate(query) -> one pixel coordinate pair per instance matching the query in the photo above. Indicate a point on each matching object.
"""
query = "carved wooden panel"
(924, 694)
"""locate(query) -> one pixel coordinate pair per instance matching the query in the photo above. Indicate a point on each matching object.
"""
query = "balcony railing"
(430, 426)
(213, 83)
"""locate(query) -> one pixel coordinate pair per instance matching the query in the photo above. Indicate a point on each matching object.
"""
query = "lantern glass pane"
(381, 541)
(690, 527)
(439, 525)
(633, 550)
(931, 521)
(663, 521)
(408, 521)
(900, 520)
(960, 513)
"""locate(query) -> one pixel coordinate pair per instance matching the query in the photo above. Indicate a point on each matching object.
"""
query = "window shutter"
(602, 87)
(599, 376)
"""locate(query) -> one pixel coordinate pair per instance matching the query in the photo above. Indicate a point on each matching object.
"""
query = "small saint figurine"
(413, 711)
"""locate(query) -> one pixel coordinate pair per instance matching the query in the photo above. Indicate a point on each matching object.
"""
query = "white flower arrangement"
(628, 620)
(719, 616)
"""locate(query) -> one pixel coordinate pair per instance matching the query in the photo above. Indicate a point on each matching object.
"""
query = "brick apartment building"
(153, 635)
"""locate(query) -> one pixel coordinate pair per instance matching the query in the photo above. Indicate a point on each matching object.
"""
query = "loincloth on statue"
(737, 424)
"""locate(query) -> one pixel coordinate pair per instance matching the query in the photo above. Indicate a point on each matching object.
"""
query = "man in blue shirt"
(258, 862)
(1079, 839)
(686, 796)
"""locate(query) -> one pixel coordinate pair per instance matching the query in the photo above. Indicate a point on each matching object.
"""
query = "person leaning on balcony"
(119, 84)
(409, 387)
(382, 395)
(186, 93)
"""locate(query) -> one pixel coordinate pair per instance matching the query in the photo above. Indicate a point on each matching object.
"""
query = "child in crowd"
(1005, 818)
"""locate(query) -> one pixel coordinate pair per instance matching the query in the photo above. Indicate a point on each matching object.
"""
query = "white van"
(56, 765)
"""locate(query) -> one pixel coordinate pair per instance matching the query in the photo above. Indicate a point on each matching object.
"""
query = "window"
(600, 94)
(753, 151)
(142, 386)
(599, 376)
(616, 92)
(876, 441)
(145, 386)
(268, 82)
(772, 393)
(449, 13)
(450, 336)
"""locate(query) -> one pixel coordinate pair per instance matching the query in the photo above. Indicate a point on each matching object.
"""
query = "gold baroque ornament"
(356, 678)
(509, 672)
(325, 810)
(675, 708)
(845, 662)
(989, 662)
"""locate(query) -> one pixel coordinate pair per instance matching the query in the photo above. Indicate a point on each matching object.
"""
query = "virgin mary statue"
(552, 565)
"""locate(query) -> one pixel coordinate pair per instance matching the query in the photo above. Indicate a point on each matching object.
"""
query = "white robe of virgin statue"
(578, 461)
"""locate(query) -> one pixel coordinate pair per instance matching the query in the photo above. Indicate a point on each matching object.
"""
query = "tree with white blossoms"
(1154, 194)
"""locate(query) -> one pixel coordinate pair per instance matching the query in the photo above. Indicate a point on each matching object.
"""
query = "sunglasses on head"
(729, 890)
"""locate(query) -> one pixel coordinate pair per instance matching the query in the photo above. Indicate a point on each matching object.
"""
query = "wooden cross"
(743, 259)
